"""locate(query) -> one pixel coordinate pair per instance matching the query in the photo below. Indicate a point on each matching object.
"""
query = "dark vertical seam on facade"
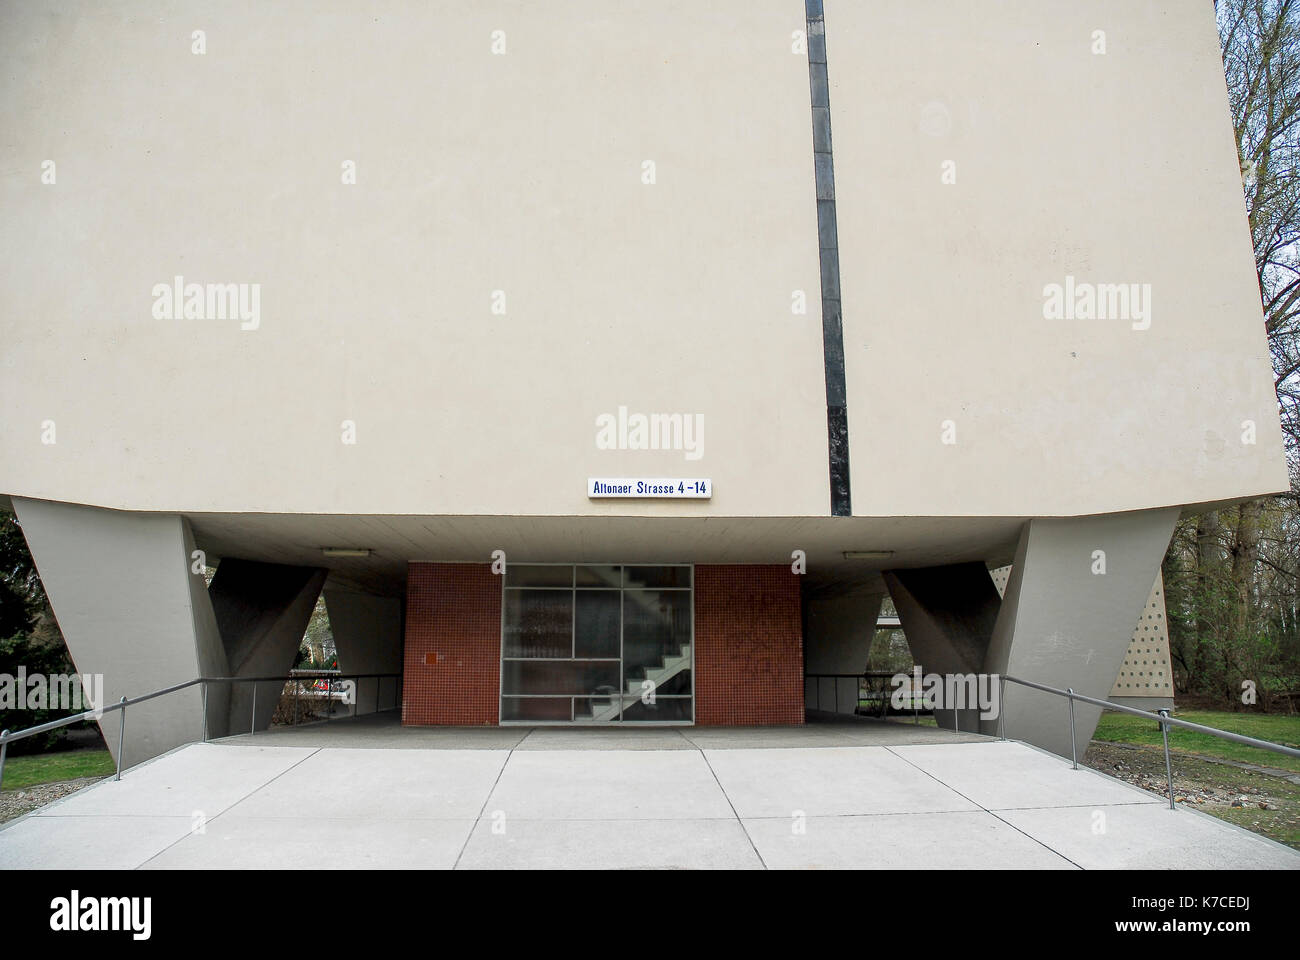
(837, 414)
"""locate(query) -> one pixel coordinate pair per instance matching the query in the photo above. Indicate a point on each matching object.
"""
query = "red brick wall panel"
(452, 663)
(748, 645)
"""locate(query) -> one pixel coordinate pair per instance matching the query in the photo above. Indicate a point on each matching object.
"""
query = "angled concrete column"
(837, 635)
(1077, 587)
(948, 614)
(368, 634)
(130, 608)
(262, 610)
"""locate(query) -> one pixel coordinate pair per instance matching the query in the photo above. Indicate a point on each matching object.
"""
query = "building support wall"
(1077, 587)
(262, 611)
(368, 635)
(948, 615)
(131, 607)
(838, 632)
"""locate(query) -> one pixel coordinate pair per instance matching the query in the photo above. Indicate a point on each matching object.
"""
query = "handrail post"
(329, 698)
(1074, 753)
(296, 684)
(252, 719)
(1002, 707)
(121, 739)
(1169, 770)
(204, 684)
(4, 748)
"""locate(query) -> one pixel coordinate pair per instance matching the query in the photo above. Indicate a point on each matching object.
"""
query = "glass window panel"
(600, 576)
(538, 575)
(559, 676)
(538, 623)
(596, 626)
(597, 709)
(664, 709)
(640, 577)
(536, 708)
(580, 655)
(674, 684)
(656, 630)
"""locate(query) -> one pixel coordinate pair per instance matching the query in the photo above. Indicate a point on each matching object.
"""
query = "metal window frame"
(573, 588)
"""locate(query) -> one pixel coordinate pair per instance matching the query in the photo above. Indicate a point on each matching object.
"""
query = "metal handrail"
(7, 736)
(865, 675)
(1162, 717)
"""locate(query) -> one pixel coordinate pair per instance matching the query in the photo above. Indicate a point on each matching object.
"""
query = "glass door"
(597, 644)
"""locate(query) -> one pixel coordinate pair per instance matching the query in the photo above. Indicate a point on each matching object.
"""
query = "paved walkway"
(864, 794)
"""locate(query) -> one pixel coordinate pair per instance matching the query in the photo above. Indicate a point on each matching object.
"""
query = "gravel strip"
(14, 803)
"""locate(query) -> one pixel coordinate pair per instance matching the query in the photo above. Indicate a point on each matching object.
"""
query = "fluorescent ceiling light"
(345, 551)
(868, 554)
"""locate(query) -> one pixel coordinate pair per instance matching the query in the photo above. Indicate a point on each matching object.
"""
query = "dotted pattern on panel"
(1000, 577)
(1145, 671)
(452, 661)
(748, 645)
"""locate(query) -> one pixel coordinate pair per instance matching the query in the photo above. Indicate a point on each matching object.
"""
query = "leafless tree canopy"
(1233, 578)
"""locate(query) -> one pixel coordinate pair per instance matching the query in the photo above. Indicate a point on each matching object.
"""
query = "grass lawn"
(1121, 728)
(21, 772)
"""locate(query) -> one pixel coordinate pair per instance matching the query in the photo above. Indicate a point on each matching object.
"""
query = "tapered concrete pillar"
(262, 610)
(368, 635)
(132, 607)
(837, 634)
(948, 614)
(1077, 587)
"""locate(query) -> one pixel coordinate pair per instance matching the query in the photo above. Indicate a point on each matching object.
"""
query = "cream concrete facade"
(522, 172)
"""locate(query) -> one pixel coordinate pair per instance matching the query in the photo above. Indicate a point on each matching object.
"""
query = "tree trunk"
(1245, 557)
(1207, 564)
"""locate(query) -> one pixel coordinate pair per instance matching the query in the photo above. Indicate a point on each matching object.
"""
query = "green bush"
(37, 656)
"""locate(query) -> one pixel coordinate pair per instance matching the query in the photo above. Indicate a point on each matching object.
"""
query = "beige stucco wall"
(1113, 168)
(523, 173)
(475, 172)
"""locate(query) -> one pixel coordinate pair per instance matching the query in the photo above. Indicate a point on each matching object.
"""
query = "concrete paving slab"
(383, 730)
(860, 732)
(604, 738)
(89, 842)
(386, 730)
(364, 784)
(879, 731)
(918, 841)
(317, 843)
(200, 777)
(763, 738)
(618, 806)
(611, 844)
(608, 785)
(1150, 837)
(1025, 777)
(835, 781)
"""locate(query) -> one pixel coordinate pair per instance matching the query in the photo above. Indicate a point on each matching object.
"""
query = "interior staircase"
(609, 709)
